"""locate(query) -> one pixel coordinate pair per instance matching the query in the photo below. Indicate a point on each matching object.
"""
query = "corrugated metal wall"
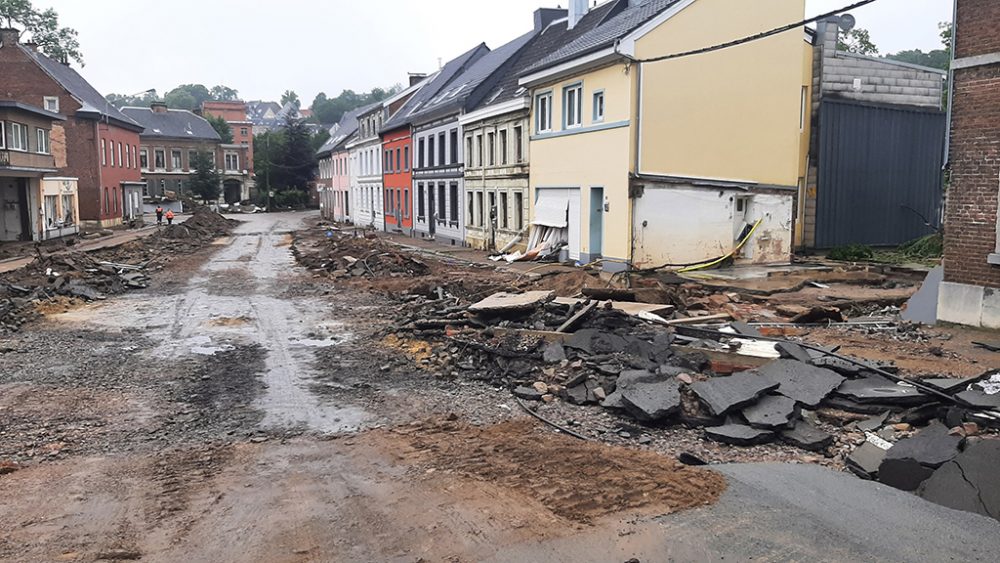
(877, 165)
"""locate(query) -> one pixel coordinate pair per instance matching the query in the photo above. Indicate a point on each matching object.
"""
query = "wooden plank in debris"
(606, 293)
(695, 320)
(512, 301)
(545, 335)
(726, 363)
(629, 308)
(575, 319)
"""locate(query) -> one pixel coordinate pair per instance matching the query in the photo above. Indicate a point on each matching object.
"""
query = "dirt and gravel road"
(240, 410)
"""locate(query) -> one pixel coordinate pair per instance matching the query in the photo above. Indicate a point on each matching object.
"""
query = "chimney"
(416, 77)
(9, 36)
(545, 16)
(158, 107)
(32, 45)
(577, 9)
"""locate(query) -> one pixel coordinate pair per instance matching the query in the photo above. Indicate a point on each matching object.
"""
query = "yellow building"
(642, 163)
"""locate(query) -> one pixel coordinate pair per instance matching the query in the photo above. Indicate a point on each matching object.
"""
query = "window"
(388, 162)
(406, 203)
(420, 201)
(406, 158)
(599, 106)
(144, 159)
(479, 209)
(68, 209)
(129, 156)
(442, 203)
(572, 108)
(802, 110)
(454, 146)
(159, 159)
(420, 153)
(104, 151)
(504, 221)
(192, 159)
(51, 103)
(543, 112)
(454, 203)
(399, 158)
(163, 186)
(492, 209)
(243, 131)
(430, 151)
(175, 160)
(51, 216)
(232, 161)
(3, 135)
(479, 150)
(442, 150)
(518, 211)
(468, 152)
(18, 137)
(470, 212)
(399, 201)
(492, 146)
(111, 153)
(518, 144)
(388, 197)
(121, 161)
(107, 200)
(503, 146)
(43, 141)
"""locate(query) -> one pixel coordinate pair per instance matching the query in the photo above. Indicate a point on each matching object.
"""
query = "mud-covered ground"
(244, 409)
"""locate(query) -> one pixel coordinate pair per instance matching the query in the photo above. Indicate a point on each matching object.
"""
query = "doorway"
(596, 223)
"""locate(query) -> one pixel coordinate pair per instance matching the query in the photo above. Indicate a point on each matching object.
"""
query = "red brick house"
(101, 143)
(970, 293)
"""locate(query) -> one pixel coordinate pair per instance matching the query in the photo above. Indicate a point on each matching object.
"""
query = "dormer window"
(51, 103)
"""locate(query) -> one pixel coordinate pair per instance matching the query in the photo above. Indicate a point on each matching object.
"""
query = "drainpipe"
(951, 83)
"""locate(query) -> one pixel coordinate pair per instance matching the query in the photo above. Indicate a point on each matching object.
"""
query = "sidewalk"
(117, 239)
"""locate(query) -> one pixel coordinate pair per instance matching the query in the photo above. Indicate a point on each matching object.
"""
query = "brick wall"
(972, 216)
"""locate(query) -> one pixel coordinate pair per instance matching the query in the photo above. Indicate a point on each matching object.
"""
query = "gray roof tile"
(174, 124)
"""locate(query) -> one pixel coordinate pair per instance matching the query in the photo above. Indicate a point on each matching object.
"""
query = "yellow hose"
(739, 247)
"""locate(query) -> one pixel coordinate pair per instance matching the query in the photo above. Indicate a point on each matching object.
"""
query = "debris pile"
(345, 255)
(204, 225)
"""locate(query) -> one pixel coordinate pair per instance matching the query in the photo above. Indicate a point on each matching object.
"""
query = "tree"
(320, 138)
(206, 182)
(331, 110)
(268, 152)
(299, 159)
(291, 97)
(60, 43)
(938, 58)
(221, 127)
(857, 41)
(224, 94)
(120, 101)
(187, 96)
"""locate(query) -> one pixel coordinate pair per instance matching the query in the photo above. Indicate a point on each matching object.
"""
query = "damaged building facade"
(653, 180)
(970, 293)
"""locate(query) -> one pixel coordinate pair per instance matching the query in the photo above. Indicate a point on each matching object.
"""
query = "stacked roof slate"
(172, 124)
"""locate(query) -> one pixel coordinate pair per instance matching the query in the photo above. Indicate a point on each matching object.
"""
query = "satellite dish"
(847, 22)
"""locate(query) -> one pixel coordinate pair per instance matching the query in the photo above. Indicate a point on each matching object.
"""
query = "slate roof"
(549, 40)
(434, 85)
(173, 124)
(626, 20)
(463, 88)
(93, 102)
(348, 127)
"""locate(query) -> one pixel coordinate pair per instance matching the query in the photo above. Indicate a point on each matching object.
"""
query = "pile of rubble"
(346, 255)
(739, 387)
(92, 276)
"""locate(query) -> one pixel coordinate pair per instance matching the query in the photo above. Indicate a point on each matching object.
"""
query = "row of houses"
(70, 160)
(577, 136)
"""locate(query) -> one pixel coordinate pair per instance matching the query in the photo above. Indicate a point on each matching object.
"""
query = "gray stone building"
(844, 78)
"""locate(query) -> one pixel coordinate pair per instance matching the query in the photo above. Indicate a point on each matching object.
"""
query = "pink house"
(334, 182)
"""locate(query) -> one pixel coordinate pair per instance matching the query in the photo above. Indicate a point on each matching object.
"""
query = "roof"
(482, 74)
(10, 104)
(172, 124)
(622, 19)
(93, 102)
(434, 86)
(346, 128)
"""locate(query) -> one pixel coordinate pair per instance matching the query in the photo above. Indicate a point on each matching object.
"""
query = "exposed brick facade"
(972, 216)
(25, 81)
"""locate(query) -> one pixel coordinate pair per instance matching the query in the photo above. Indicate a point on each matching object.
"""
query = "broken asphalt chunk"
(968, 482)
(865, 460)
(625, 380)
(930, 447)
(770, 412)
(723, 394)
(806, 436)
(873, 423)
(877, 389)
(528, 393)
(804, 383)
(903, 474)
(652, 401)
(554, 353)
(738, 435)
(593, 341)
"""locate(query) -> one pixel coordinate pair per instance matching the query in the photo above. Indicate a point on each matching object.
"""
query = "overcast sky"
(310, 46)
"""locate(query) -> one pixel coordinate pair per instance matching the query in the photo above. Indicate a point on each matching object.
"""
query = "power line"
(758, 36)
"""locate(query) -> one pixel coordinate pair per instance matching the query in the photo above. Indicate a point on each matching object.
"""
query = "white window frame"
(3, 135)
(44, 144)
(600, 106)
(574, 111)
(54, 100)
(180, 159)
(543, 120)
(121, 162)
(143, 155)
(164, 153)
(104, 152)
(233, 158)
(18, 137)
(804, 104)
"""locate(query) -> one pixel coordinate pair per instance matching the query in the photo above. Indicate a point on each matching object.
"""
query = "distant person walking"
(170, 217)
(159, 214)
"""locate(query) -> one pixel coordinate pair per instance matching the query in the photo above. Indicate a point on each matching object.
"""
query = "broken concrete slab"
(738, 435)
(804, 383)
(931, 447)
(652, 401)
(771, 412)
(877, 389)
(968, 482)
(510, 302)
(594, 342)
(923, 306)
(865, 460)
(903, 474)
(806, 436)
(553, 353)
(724, 394)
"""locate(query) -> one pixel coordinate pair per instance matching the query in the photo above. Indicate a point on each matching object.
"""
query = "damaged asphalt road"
(243, 409)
